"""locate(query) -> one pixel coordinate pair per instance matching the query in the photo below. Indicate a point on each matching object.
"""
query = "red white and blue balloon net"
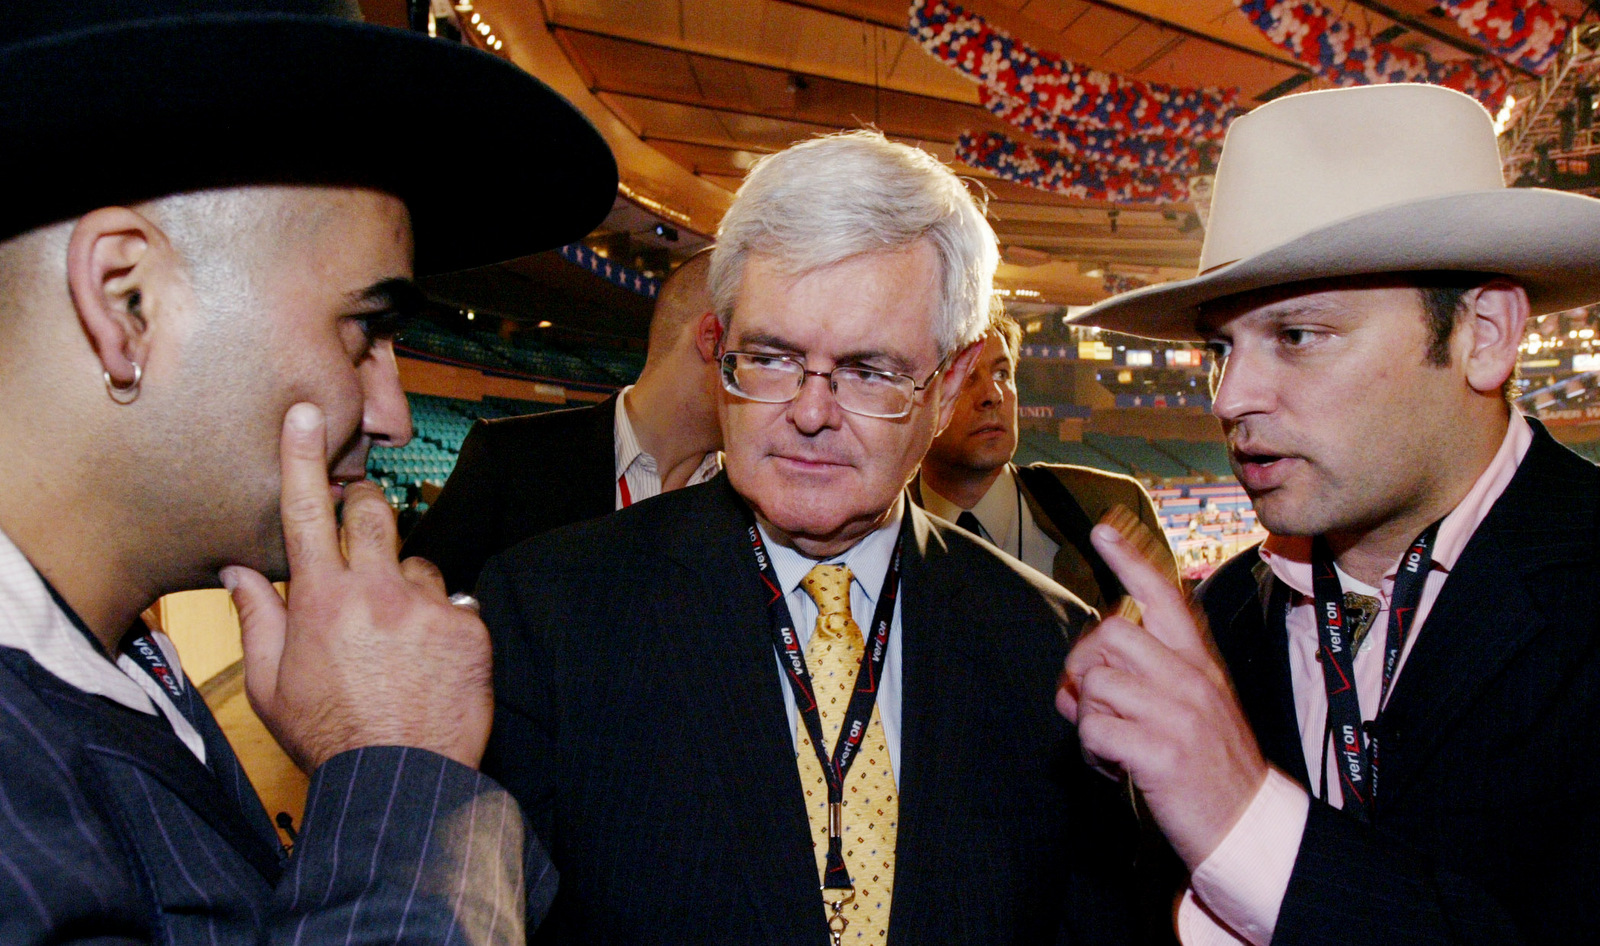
(1124, 141)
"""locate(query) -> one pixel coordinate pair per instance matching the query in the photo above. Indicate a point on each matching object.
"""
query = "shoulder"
(67, 857)
(1084, 478)
(969, 568)
(617, 540)
(525, 427)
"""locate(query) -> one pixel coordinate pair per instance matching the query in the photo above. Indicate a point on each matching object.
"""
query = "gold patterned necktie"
(871, 803)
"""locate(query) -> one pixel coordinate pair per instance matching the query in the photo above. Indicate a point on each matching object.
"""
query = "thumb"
(262, 621)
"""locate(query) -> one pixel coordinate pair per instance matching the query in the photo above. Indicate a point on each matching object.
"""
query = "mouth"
(1259, 470)
(807, 464)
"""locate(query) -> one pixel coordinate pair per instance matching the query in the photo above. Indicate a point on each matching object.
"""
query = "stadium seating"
(1137, 454)
(441, 424)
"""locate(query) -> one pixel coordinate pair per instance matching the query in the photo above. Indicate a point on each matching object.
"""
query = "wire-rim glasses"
(778, 379)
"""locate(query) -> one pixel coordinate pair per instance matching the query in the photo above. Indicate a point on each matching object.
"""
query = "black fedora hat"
(112, 101)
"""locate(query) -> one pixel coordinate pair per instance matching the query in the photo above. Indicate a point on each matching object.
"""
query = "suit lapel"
(1254, 642)
(736, 676)
(224, 765)
(597, 485)
(1539, 534)
(929, 725)
(122, 736)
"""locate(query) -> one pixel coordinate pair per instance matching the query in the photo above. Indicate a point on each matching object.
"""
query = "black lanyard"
(138, 643)
(858, 715)
(1356, 748)
(147, 654)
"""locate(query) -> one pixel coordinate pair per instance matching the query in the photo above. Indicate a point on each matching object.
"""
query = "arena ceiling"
(690, 92)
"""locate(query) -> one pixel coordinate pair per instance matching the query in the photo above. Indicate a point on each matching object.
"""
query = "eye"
(1296, 337)
(865, 376)
(767, 362)
(1219, 349)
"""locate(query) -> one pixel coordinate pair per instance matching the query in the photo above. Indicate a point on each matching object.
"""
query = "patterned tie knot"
(829, 587)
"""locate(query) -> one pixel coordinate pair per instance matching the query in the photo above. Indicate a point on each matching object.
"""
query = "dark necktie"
(970, 523)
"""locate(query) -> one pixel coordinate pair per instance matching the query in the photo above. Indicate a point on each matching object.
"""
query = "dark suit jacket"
(112, 831)
(640, 720)
(1487, 827)
(515, 478)
(1092, 493)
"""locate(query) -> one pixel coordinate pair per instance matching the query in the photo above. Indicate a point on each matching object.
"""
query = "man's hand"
(1154, 702)
(368, 650)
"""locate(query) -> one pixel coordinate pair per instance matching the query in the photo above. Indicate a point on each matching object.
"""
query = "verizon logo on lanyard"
(1355, 747)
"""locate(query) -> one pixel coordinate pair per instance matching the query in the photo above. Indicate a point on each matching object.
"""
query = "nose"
(814, 409)
(1241, 385)
(988, 390)
(385, 413)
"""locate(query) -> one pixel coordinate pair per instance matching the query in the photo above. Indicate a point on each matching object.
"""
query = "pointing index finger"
(310, 528)
(1166, 614)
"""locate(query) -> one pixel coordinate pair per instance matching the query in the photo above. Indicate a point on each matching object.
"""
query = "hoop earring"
(128, 393)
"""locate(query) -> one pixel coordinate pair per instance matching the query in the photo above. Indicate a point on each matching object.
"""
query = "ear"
(950, 384)
(1497, 315)
(707, 336)
(108, 273)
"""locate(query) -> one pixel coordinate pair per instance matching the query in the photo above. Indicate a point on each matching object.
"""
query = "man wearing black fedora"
(1398, 743)
(216, 212)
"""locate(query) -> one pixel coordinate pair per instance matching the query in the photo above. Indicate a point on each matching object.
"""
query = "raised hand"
(1151, 699)
(368, 650)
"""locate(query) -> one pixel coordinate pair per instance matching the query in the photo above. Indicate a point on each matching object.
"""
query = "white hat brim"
(1547, 241)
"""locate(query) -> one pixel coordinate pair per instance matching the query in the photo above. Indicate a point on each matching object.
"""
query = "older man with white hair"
(715, 702)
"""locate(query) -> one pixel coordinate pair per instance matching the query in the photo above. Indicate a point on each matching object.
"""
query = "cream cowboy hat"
(1374, 179)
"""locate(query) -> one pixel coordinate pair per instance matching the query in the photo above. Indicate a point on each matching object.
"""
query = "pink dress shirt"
(1235, 894)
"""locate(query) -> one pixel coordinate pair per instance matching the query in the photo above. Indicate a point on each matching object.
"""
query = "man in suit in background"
(1040, 513)
(195, 356)
(669, 677)
(1428, 588)
(520, 476)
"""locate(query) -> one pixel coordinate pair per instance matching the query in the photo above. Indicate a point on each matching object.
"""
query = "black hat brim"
(491, 163)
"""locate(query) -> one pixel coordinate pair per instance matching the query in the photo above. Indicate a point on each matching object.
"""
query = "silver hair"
(831, 198)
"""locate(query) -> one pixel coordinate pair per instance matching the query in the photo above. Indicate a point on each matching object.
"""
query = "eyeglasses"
(777, 379)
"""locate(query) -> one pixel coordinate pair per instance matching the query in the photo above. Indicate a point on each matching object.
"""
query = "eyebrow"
(1210, 323)
(862, 358)
(390, 305)
(397, 293)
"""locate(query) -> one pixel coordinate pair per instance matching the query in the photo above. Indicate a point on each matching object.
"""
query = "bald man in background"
(521, 476)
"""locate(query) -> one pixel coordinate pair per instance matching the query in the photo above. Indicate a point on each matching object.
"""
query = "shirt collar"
(1289, 557)
(32, 622)
(625, 441)
(997, 510)
(868, 559)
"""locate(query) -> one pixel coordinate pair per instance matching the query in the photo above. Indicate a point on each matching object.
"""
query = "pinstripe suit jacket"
(1487, 827)
(112, 831)
(640, 720)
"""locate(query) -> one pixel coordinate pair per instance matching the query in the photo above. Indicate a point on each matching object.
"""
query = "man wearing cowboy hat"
(211, 231)
(1428, 587)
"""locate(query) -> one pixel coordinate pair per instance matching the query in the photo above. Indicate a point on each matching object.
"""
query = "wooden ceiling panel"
(654, 119)
(706, 160)
(625, 67)
(609, 63)
(647, 17)
(1055, 15)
